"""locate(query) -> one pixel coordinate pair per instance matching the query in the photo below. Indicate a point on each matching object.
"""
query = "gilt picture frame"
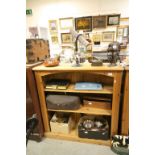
(53, 26)
(97, 37)
(66, 38)
(54, 39)
(83, 23)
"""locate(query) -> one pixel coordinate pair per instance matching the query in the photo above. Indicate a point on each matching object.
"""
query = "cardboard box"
(58, 125)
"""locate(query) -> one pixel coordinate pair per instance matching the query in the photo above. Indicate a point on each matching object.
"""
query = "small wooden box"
(97, 104)
(37, 50)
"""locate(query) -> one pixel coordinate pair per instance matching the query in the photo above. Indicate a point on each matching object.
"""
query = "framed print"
(108, 36)
(120, 31)
(126, 32)
(113, 20)
(66, 38)
(54, 39)
(66, 23)
(53, 27)
(99, 22)
(83, 23)
(97, 37)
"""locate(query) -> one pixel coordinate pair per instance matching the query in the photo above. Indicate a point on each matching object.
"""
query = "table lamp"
(83, 41)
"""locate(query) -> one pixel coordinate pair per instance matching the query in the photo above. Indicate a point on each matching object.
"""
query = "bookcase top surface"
(83, 67)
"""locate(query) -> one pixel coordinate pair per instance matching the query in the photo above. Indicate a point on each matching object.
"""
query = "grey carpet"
(62, 147)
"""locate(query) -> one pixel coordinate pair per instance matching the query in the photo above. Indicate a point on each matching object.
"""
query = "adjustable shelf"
(90, 110)
(71, 89)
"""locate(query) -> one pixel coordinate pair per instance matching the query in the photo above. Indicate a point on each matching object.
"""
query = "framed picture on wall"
(66, 23)
(108, 36)
(126, 31)
(53, 27)
(99, 22)
(54, 39)
(122, 33)
(97, 37)
(113, 19)
(66, 38)
(83, 23)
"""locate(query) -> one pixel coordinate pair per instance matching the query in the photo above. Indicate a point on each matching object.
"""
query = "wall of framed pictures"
(99, 29)
(62, 16)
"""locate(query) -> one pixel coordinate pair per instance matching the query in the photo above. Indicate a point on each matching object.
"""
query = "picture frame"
(108, 36)
(99, 22)
(97, 37)
(66, 23)
(66, 38)
(83, 23)
(123, 30)
(122, 33)
(53, 26)
(126, 32)
(54, 39)
(113, 19)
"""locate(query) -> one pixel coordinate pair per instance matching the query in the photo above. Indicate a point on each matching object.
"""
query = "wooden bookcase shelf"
(105, 90)
(88, 110)
(110, 77)
(73, 136)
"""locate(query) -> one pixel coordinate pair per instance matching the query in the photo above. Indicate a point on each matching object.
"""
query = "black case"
(63, 102)
(100, 134)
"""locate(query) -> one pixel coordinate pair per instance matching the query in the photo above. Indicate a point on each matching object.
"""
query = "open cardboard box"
(62, 123)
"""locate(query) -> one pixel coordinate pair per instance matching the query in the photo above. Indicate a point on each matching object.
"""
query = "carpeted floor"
(61, 147)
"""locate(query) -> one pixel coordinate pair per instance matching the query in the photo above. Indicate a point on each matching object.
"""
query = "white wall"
(43, 10)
